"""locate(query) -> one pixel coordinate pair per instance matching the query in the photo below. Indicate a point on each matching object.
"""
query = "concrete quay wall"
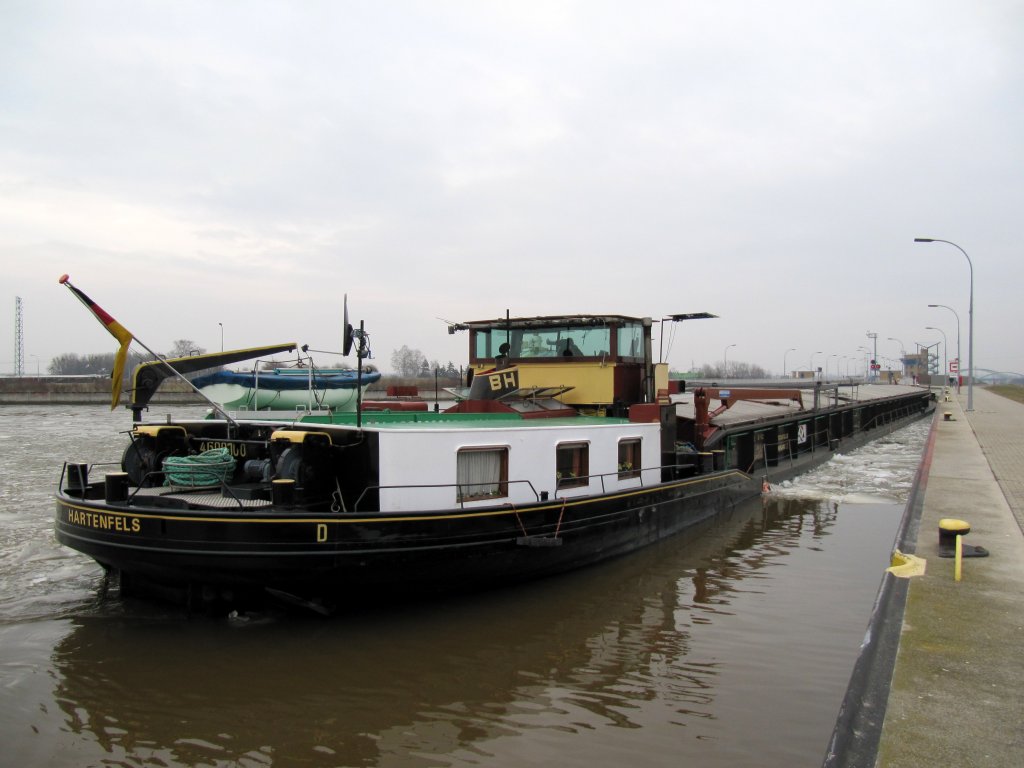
(77, 390)
(941, 672)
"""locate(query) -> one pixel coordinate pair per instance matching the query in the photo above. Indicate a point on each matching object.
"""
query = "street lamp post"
(867, 354)
(785, 370)
(725, 361)
(903, 355)
(959, 360)
(945, 353)
(874, 353)
(814, 374)
(221, 336)
(970, 318)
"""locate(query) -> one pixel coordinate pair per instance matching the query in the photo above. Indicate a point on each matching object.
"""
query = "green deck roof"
(428, 420)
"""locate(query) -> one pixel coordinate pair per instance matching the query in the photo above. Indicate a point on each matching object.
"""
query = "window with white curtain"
(482, 473)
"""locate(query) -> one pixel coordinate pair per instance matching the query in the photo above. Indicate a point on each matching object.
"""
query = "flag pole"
(120, 333)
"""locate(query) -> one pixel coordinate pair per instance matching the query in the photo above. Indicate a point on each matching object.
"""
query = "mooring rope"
(211, 467)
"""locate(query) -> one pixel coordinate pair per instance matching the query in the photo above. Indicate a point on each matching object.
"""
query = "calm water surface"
(730, 647)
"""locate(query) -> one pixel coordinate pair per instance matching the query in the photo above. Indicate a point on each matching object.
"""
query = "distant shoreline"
(78, 390)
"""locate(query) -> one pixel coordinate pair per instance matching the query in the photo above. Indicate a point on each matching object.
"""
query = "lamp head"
(924, 240)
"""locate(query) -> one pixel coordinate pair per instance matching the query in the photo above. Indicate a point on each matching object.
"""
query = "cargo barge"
(565, 447)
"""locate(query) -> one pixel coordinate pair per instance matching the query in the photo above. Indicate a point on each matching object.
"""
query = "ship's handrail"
(146, 490)
(462, 501)
(658, 472)
(601, 476)
(147, 487)
(61, 487)
(634, 474)
(887, 417)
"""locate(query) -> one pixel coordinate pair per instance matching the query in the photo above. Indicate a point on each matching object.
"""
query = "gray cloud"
(191, 163)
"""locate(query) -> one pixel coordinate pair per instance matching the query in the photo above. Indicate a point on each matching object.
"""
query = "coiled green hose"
(211, 467)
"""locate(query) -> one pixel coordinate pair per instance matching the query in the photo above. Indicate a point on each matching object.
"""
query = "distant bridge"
(988, 376)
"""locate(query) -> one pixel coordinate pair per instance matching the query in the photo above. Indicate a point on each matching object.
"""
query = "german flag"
(116, 330)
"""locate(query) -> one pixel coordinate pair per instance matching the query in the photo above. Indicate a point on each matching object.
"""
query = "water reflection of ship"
(431, 679)
(783, 525)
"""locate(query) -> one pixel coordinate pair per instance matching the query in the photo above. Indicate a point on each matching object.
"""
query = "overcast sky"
(192, 164)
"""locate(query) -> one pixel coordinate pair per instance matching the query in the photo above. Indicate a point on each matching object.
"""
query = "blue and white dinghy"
(286, 389)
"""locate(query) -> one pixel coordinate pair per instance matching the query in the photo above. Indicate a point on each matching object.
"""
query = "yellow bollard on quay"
(951, 535)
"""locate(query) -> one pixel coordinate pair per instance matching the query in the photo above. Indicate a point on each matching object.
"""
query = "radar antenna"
(346, 346)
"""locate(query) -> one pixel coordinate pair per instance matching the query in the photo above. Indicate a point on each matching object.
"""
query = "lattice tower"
(19, 339)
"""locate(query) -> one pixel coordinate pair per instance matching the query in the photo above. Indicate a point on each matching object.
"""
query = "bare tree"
(96, 364)
(737, 370)
(408, 362)
(185, 348)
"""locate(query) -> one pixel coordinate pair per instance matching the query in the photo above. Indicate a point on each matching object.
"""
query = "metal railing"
(645, 477)
(538, 496)
(460, 499)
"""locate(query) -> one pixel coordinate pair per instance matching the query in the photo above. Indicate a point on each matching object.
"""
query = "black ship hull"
(192, 550)
(351, 556)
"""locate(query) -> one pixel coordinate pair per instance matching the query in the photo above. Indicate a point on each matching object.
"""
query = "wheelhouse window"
(542, 342)
(572, 465)
(482, 473)
(629, 458)
(630, 341)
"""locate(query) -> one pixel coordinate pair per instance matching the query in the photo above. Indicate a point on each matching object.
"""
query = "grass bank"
(1011, 391)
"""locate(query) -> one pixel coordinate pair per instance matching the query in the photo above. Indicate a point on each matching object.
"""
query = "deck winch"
(150, 445)
(303, 456)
